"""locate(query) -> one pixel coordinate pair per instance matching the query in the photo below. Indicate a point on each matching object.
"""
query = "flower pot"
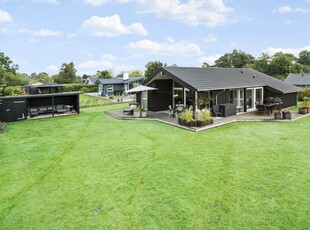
(143, 113)
(136, 113)
(190, 123)
(277, 115)
(286, 115)
(201, 123)
(209, 122)
(303, 110)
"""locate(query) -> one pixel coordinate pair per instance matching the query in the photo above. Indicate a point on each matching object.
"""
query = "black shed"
(18, 108)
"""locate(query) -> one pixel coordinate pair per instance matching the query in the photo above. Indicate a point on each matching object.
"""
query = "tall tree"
(104, 74)
(6, 66)
(152, 66)
(235, 59)
(281, 64)
(136, 73)
(304, 57)
(67, 74)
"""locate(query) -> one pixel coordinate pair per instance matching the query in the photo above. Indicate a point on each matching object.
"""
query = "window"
(109, 88)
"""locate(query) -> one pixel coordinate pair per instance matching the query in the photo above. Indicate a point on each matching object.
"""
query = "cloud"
(71, 35)
(111, 27)
(47, 33)
(4, 30)
(288, 9)
(52, 68)
(295, 51)
(210, 38)
(96, 2)
(176, 48)
(95, 65)
(41, 32)
(5, 17)
(46, 1)
(108, 57)
(210, 13)
(209, 59)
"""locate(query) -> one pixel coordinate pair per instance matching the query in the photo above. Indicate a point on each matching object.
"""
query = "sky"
(123, 35)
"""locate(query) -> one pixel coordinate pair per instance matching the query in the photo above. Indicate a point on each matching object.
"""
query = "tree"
(43, 77)
(236, 59)
(67, 74)
(6, 66)
(136, 73)
(151, 67)
(304, 57)
(261, 64)
(281, 64)
(104, 74)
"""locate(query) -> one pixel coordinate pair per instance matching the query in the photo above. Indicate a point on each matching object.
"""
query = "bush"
(78, 87)
(13, 91)
(84, 90)
(304, 93)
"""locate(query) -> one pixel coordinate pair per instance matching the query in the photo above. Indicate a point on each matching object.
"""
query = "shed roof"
(118, 80)
(204, 79)
(298, 79)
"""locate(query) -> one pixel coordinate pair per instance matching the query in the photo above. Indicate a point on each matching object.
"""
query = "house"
(91, 80)
(113, 86)
(241, 87)
(43, 88)
(299, 79)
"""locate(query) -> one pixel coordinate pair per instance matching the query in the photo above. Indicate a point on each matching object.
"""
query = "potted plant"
(306, 106)
(188, 118)
(286, 114)
(181, 118)
(143, 112)
(204, 118)
(277, 115)
(136, 111)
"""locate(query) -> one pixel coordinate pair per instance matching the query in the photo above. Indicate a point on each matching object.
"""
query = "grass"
(91, 171)
(87, 101)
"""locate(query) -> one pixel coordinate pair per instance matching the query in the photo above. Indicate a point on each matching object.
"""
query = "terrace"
(163, 116)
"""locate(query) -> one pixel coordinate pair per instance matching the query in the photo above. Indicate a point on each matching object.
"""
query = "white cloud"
(95, 65)
(52, 68)
(96, 2)
(211, 13)
(5, 17)
(289, 9)
(111, 27)
(41, 32)
(295, 51)
(210, 38)
(45, 1)
(176, 48)
(108, 57)
(209, 59)
(47, 33)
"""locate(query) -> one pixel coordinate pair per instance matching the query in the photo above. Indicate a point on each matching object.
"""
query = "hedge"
(78, 87)
(304, 93)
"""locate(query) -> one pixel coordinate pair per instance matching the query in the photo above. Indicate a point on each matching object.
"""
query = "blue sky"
(122, 35)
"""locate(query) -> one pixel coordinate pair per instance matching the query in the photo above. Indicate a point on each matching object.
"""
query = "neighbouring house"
(44, 88)
(114, 86)
(299, 79)
(240, 87)
(91, 80)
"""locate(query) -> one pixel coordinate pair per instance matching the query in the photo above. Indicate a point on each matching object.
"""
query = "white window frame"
(110, 88)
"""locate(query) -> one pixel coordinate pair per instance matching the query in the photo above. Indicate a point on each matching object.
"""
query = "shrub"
(84, 90)
(304, 93)
(78, 87)
(9, 91)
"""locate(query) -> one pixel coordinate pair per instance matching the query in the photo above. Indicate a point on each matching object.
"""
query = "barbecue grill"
(273, 103)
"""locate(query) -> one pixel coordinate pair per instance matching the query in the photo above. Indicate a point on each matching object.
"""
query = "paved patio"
(163, 116)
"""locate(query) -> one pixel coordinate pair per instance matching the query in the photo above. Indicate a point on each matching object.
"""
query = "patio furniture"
(132, 106)
(216, 111)
(171, 112)
(227, 109)
(61, 108)
(260, 108)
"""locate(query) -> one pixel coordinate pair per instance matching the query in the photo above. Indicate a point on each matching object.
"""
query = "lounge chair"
(61, 108)
(129, 111)
(216, 111)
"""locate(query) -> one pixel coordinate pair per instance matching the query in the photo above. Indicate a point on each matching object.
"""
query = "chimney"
(125, 75)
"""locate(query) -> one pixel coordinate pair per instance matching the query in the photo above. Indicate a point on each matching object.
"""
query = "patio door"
(250, 98)
(145, 99)
(237, 98)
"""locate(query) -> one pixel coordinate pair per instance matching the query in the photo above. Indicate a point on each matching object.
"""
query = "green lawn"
(86, 101)
(91, 171)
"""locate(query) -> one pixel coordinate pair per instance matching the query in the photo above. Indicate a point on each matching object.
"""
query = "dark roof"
(118, 80)
(298, 79)
(204, 79)
(45, 85)
(92, 80)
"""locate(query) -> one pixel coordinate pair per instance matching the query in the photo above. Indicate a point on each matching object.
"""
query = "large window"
(109, 88)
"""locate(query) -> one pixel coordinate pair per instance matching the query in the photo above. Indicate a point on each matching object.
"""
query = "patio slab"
(163, 116)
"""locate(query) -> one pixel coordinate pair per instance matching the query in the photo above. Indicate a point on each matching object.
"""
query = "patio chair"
(129, 111)
(216, 111)
(260, 109)
(171, 112)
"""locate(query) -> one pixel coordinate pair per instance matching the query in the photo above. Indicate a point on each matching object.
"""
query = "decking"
(163, 116)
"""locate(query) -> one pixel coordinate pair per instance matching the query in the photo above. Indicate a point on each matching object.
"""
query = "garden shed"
(18, 108)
